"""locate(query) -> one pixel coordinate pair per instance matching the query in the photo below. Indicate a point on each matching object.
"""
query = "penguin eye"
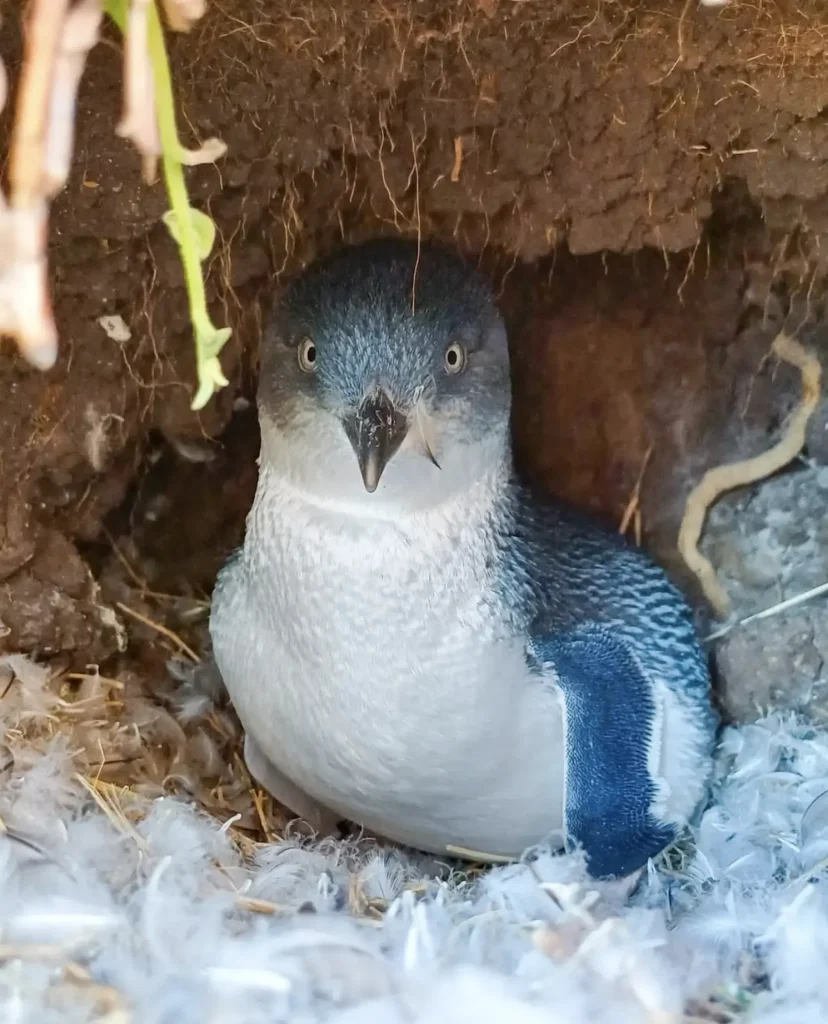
(307, 355)
(455, 358)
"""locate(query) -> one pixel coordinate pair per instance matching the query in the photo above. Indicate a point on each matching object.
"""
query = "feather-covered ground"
(124, 904)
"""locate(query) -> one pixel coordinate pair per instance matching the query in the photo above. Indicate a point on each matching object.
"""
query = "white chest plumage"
(377, 675)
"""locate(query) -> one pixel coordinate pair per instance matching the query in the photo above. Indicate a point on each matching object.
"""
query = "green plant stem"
(173, 170)
(208, 340)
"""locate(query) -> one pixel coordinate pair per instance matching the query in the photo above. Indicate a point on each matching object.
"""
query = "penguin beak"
(376, 430)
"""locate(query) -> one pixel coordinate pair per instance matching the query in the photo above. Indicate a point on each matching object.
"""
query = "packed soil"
(644, 182)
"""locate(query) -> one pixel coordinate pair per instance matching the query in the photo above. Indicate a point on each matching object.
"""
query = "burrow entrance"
(646, 187)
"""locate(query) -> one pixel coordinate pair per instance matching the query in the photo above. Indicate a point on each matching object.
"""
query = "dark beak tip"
(375, 431)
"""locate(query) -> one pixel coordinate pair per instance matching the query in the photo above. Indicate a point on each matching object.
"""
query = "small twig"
(483, 858)
(738, 474)
(102, 794)
(259, 906)
(159, 628)
(258, 803)
(122, 558)
(634, 503)
(458, 158)
(415, 152)
(766, 613)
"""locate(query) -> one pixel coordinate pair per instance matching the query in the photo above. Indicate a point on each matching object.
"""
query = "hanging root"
(725, 478)
(57, 41)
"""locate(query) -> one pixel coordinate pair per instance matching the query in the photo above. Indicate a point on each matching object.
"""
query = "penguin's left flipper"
(613, 722)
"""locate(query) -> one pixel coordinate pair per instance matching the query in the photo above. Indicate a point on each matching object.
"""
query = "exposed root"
(43, 40)
(57, 42)
(139, 123)
(725, 478)
(181, 15)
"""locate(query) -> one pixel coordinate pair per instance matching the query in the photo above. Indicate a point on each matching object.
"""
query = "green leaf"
(209, 342)
(210, 378)
(218, 340)
(203, 229)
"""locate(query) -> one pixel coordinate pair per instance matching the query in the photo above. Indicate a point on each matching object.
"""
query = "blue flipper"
(611, 722)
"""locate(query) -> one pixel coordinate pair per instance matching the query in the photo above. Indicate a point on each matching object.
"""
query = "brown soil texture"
(645, 183)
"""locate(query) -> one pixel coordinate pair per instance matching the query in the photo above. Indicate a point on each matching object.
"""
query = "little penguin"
(413, 638)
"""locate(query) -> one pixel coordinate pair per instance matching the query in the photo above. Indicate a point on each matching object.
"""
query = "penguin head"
(385, 377)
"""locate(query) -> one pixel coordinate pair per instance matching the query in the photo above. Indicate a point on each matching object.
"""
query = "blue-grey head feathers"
(384, 315)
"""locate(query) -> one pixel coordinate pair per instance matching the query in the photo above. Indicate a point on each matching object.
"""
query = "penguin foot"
(322, 821)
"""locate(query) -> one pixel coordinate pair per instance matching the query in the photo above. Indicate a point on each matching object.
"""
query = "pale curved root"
(738, 474)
